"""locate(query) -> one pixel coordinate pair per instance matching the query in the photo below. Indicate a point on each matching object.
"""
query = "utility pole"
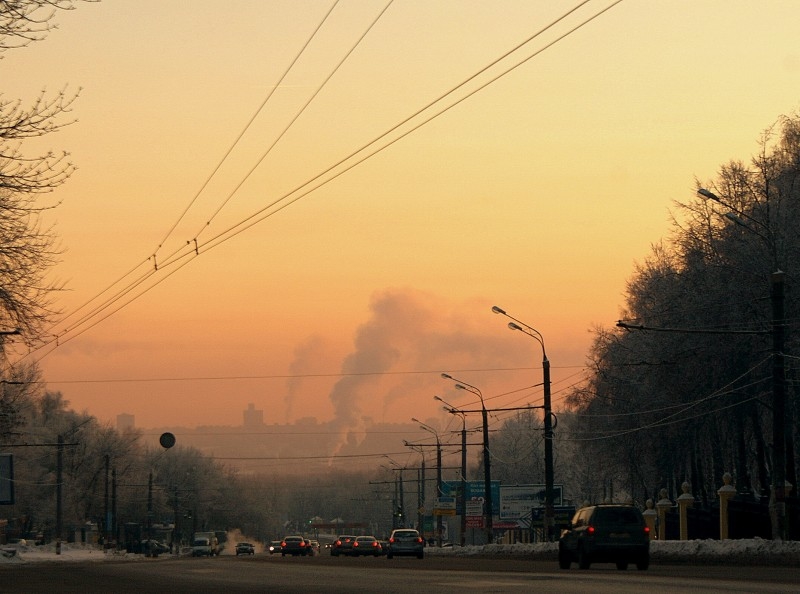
(114, 505)
(59, 492)
(549, 508)
(463, 480)
(150, 506)
(778, 407)
(107, 525)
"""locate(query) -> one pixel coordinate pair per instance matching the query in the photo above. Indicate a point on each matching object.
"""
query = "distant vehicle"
(154, 548)
(314, 547)
(205, 544)
(343, 545)
(294, 546)
(366, 546)
(405, 541)
(384, 546)
(275, 547)
(607, 533)
(245, 548)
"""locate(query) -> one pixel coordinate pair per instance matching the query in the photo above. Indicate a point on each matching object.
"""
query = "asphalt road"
(262, 573)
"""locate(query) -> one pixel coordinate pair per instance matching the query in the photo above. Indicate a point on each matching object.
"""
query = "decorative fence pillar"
(663, 505)
(685, 501)
(725, 493)
(650, 517)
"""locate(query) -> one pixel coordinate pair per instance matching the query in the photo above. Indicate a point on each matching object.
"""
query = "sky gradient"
(537, 193)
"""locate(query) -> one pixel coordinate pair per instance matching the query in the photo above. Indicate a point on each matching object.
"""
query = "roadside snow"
(751, 551)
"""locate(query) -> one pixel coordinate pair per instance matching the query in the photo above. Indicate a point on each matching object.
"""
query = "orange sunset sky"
(299, 275)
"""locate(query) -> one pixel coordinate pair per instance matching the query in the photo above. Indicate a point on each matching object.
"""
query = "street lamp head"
(513, 326)
(437, 398)
(736, 219)
(708, 194)
(498, 310)
(416, 420)
(446, 376)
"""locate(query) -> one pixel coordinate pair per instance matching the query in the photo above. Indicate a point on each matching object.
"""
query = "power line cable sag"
(265, 212)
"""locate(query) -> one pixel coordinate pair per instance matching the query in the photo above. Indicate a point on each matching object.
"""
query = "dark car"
(153, 548)
(366, 546)
(405, 541)
(343, 545)
(294, 546)
(607, 533)
(274, 547)
(245, 548)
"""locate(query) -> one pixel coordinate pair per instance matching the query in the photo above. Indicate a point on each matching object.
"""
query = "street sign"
(445, 506)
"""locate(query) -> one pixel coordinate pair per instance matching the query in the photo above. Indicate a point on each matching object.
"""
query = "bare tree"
(27, 249)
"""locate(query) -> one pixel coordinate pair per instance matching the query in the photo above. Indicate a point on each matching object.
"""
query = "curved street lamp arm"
(522, 327)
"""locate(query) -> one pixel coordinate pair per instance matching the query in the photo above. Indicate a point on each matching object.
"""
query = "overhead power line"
(193, 248)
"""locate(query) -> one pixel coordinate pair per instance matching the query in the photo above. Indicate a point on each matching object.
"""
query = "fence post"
(662, 506)
(650, 517)
(685, 500)
(725, 492)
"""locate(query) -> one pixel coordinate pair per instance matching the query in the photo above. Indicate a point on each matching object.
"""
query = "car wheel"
(643, 563)
(622, 565)
(564, 562)
(583, 559)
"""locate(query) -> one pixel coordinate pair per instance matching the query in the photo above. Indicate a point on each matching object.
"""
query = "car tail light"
(302, 543)
(338, 543)
(355, 544)
(590, 530)
(283, 544)
(647, 529)
(391, 540)
(419, 539)
(375, 544)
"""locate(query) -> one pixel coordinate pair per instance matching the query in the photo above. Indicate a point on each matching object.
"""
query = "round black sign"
(167, 440)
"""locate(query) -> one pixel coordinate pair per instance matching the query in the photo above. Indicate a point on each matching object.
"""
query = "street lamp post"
(779, 449)
(487, 471)
(399, 513)
(420, 484)
(435, 433)
(549, 511)
(463, 503)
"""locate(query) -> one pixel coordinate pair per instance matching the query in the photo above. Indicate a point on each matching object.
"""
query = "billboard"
(475, 491)
(517, 501)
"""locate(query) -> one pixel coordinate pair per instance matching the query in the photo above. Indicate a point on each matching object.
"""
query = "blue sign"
(475, 490)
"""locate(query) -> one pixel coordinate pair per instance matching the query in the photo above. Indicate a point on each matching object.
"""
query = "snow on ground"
(750, 551)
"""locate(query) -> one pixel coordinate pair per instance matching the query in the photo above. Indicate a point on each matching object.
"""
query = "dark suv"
(607, 533)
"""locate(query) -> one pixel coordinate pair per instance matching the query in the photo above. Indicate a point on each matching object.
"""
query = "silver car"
(405, 541)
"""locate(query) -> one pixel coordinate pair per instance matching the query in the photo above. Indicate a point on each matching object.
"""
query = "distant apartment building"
(253, 419)
(125, 422)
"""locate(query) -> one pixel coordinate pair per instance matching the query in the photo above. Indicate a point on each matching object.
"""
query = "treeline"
(108, 479)
(700, 376)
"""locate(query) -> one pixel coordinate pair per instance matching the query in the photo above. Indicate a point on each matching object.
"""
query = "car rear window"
(617, 515)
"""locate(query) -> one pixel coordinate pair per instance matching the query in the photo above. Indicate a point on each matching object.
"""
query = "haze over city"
(222, 248)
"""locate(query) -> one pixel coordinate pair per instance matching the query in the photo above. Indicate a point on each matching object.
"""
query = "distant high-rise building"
(253, 419)
(125, 421)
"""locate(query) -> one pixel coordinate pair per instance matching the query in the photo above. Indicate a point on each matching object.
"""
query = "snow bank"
(744, 552)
